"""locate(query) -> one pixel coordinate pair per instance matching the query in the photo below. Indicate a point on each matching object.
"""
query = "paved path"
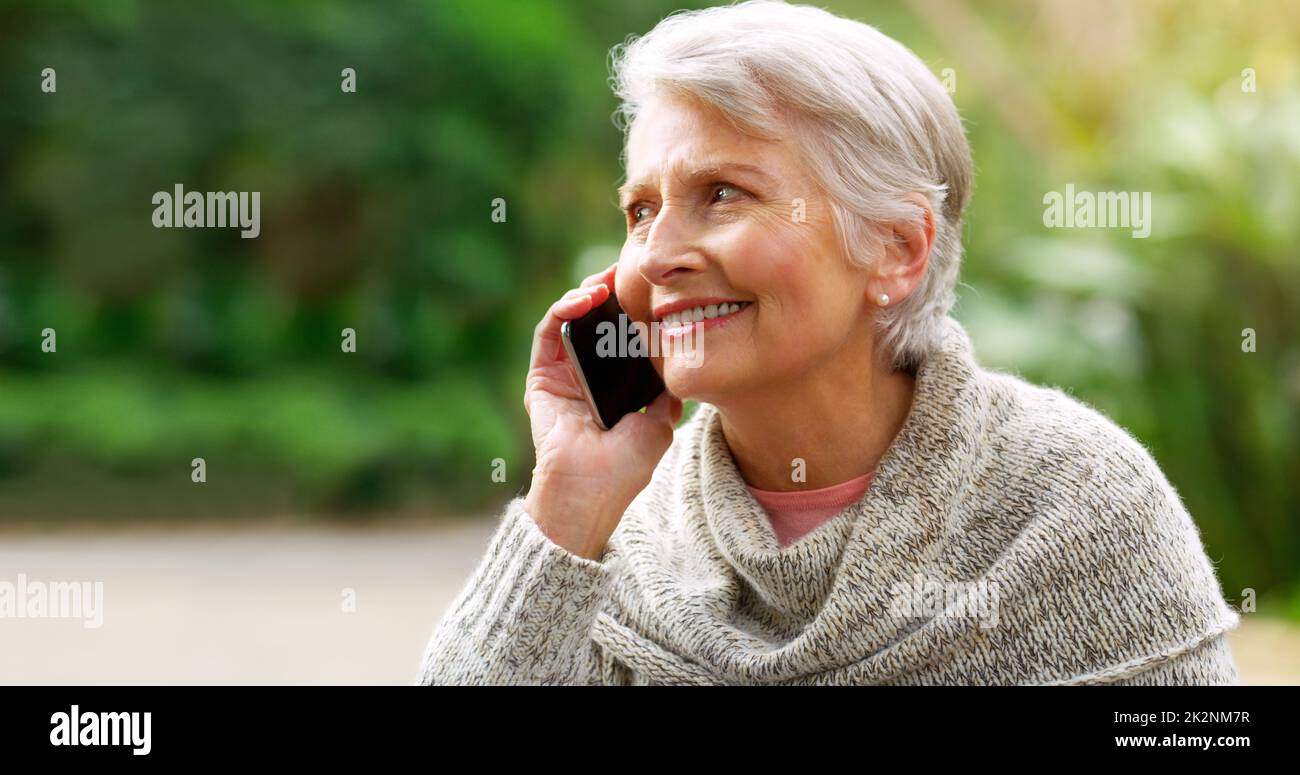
(260, 606)
(265, 606)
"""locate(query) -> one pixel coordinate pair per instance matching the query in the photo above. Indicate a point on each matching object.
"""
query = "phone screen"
(617, 375)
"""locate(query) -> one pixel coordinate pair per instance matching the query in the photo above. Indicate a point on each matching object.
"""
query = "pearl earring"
(883, 299)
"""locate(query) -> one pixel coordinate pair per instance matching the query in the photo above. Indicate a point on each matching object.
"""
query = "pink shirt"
(795, 514)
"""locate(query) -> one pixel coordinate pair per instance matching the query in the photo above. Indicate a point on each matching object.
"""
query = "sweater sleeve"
(1121, 578)
(524, 616)
(1208, 664)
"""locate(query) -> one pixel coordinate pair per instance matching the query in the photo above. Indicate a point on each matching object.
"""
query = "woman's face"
(714, 216)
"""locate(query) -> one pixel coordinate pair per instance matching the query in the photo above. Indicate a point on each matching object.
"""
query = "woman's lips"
(679, 330)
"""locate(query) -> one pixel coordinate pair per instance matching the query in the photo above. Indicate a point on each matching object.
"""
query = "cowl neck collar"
(718, 599)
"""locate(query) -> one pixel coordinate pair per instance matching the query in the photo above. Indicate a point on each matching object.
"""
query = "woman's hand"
(585, 478)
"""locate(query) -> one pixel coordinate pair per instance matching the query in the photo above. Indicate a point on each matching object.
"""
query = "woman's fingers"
(573, 304)
(654, 429)
(603, 277)
(660, 409)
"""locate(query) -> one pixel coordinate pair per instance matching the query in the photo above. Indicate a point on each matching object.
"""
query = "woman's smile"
(691, 321)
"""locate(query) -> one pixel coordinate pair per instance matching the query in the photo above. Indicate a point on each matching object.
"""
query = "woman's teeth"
(696, 314)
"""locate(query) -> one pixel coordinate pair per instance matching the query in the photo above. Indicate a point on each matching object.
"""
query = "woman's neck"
(838, 421)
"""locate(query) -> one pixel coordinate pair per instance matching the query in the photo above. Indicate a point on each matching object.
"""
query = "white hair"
(872, 122)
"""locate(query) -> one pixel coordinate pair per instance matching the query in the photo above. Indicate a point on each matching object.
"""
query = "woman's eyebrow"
(627, 190)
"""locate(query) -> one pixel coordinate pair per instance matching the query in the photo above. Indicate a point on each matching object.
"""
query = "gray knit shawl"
(1060, 552)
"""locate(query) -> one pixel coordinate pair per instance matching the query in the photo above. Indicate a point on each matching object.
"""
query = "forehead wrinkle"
(688, 173)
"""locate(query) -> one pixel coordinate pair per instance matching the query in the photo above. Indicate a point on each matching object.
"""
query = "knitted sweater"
(1011, 535)
(795, 513)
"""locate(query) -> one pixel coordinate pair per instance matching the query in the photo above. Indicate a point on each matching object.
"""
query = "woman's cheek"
(632, 291)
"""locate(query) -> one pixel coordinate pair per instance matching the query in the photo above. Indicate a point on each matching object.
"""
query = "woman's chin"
(697, 383)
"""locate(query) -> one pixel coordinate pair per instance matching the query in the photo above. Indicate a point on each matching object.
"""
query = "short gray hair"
(874, 125)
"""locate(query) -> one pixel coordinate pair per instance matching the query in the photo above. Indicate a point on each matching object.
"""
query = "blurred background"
(372, 471)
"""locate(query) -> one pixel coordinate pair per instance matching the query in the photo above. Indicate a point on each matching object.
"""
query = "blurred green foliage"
(376, 215)
(376, 208)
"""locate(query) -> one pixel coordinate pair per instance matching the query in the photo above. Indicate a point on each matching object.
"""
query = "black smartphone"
(616, 373)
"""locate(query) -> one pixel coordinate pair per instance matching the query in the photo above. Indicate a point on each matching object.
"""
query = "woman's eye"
(721, 187)
(634, 212)
(722, 192)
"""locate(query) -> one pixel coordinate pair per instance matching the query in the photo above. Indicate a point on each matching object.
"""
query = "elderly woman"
(856, 500)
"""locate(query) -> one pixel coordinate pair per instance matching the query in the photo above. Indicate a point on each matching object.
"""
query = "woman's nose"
(670, 248)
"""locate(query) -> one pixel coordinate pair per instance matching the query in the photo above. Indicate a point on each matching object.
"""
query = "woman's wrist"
(574, 521)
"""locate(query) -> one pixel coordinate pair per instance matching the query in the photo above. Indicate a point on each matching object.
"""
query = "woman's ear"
(906, 256)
